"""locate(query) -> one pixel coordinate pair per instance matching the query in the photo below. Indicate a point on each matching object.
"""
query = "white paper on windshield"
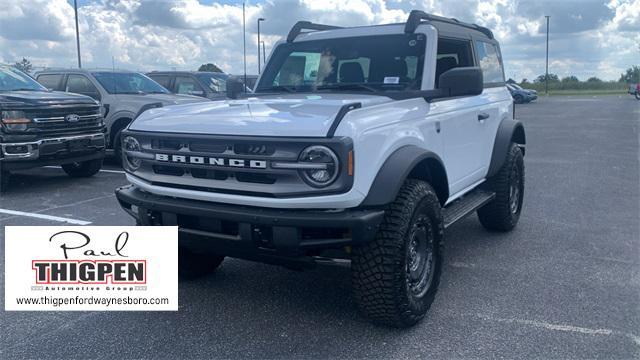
(391, 80)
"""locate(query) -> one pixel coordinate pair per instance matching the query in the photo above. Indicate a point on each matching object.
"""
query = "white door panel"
(463, 140)
(497, 104)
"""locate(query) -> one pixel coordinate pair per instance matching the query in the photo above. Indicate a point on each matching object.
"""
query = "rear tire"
(395, 277)
(83, 169)
(503, 212)
(193, 265)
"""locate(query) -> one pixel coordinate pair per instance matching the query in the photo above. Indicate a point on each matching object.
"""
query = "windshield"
(13, 80)
(128, 83)
(369, 63)
(517, 87)
(215, 82)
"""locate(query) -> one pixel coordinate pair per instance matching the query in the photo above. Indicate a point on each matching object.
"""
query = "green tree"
(594, 79)
(209, 67)
(570, 79)
(542, 78)
(631, 76)
(24, 65)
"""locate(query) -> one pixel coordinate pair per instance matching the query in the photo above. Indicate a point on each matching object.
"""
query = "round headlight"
(131, 144)
(326, 166)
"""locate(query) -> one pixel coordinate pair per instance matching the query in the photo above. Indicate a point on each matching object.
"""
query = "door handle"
(482, 117)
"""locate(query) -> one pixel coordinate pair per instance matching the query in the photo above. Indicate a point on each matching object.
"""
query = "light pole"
(75, 8)
(244, 45)
(264, 54)
(546, 77)
(259, 20)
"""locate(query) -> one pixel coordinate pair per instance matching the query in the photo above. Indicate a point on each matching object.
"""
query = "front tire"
(396, 276)
(192, 265)
(503, 212)
(83, 169)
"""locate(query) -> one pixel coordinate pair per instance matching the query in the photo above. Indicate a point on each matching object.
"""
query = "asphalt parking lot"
(564, 284)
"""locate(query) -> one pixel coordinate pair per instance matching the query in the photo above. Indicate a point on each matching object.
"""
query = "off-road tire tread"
(378, 267)
(496, 215)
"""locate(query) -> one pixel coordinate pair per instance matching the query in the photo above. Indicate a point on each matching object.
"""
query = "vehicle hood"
(42, 98)
(165, 99)
(308, 115)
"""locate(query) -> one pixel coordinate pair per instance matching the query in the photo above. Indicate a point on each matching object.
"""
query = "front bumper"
(249, 232)
(49, 151)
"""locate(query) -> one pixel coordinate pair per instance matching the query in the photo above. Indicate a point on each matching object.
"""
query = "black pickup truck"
(39, 127)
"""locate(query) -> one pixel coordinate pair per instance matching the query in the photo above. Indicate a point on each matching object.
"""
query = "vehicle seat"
(400, 70)
(351, 72)
(444, 64)
(390, 67)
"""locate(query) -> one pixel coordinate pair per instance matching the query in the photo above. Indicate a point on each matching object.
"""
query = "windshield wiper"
(347, 86)
(288, 89)
(131, 92)
(24, 89)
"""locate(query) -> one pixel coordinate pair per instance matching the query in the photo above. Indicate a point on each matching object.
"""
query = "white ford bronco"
(362, 144)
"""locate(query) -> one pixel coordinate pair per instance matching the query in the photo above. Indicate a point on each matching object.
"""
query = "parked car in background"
(39, 127)
(521, 95)
(123, 95)
(634, 89)
(211, 85)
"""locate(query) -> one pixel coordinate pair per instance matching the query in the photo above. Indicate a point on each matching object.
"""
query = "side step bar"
(464, 206)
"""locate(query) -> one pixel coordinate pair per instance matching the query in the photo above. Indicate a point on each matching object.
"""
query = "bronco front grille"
(231, 164)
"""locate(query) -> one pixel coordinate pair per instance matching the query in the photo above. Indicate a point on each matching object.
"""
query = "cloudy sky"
(588, 37)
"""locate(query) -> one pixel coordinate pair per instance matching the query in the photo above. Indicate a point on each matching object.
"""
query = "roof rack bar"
(307, 25)
(416, 17)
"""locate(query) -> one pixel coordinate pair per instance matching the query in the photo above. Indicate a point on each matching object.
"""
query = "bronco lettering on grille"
(214, 161)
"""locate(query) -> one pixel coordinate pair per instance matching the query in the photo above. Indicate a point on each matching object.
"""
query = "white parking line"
(101, 170)
(563, 327)
(45, 217)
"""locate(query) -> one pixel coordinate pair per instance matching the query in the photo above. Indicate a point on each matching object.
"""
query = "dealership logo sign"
(91, 268)
(120, 271)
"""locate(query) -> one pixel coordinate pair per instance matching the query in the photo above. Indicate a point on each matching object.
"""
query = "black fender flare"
(396, 169)
(509, 131)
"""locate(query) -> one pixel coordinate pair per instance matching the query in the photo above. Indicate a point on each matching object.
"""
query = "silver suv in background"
(210, 85)
(123, 94)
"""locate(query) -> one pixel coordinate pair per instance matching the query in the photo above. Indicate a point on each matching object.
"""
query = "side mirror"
(462, 81)
(234, 88)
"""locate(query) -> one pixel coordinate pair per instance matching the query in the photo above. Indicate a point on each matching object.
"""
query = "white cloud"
(182, 34)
